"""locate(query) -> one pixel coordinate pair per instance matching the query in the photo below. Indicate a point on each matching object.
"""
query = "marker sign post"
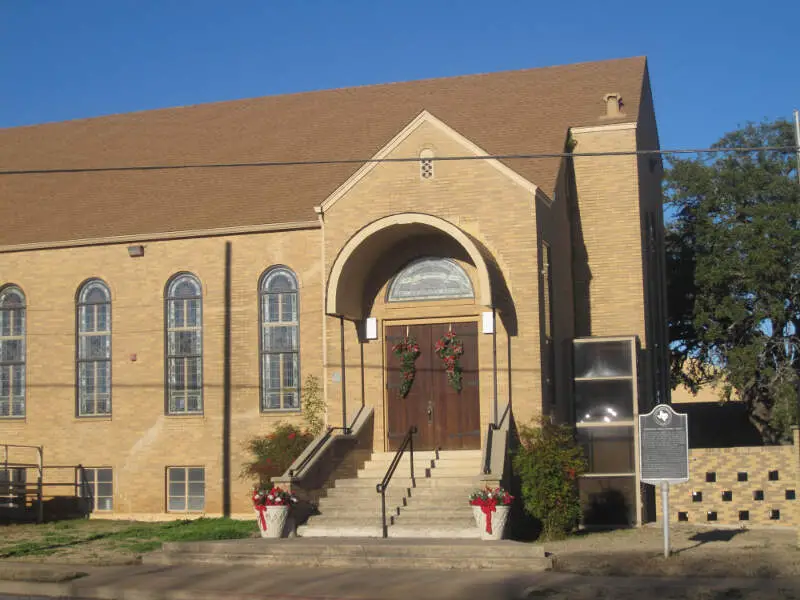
(664, 454)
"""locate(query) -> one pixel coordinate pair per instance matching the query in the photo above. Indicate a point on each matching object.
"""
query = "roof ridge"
(330, 90)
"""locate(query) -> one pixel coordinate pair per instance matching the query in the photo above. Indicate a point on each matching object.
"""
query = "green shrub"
(548, 463)
(273, 454)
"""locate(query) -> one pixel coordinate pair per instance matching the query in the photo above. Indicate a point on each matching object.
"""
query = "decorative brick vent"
(426, 164)
(729, 486)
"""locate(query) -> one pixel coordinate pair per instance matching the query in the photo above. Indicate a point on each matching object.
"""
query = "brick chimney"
(614, 105)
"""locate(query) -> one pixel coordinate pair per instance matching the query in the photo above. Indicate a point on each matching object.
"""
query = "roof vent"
(613, 104)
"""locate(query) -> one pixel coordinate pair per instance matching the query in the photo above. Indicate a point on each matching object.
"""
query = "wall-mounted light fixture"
(135, 251)
(487, 322)
(370, 328)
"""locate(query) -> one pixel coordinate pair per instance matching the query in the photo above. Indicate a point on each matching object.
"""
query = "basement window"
(186, 489)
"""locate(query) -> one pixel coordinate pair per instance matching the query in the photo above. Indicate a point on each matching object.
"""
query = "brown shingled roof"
(526, 111)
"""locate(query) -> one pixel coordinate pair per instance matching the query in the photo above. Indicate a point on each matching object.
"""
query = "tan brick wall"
(613, 195)
(486, 204)
(726, 463)
(608, 204)
(138, 441)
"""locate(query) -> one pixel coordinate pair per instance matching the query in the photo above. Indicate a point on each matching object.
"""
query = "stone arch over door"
(352, 266)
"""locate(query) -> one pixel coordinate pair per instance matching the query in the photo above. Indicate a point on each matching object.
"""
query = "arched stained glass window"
(430, 278)
(12, 352)
(280, 340)
(184, 345)
(94, 349)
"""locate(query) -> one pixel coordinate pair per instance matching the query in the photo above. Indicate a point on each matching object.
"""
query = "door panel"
(411, 410)
(454, 422)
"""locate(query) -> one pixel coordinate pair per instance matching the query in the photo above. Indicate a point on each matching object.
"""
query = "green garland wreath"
(408, 351)
(449, 348)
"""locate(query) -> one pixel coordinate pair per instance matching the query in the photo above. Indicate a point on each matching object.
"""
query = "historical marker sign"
(664, 446)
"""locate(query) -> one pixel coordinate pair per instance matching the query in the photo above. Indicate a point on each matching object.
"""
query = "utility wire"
(360, 161)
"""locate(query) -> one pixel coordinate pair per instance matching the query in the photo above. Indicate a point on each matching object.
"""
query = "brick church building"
(170, 278)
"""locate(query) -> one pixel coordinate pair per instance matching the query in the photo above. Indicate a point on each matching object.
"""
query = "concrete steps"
(433, 505)
(451, 554)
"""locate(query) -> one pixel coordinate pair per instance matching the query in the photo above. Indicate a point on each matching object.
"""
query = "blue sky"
(714, 64)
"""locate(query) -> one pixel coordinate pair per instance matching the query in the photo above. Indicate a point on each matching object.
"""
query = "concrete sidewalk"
(203, 582)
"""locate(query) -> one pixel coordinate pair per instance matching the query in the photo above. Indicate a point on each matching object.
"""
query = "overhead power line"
(361, 161)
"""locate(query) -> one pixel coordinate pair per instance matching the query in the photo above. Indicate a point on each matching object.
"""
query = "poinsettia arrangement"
(487, 495)
(488, 499)
(449, 348)
(274, 496)
(408, 351)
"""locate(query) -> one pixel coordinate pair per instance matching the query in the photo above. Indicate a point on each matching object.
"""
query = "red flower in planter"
(291, 436)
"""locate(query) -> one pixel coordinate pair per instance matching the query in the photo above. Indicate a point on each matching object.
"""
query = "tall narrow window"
(94, 349)
(280, 344)
(12, 352)
(184, 345)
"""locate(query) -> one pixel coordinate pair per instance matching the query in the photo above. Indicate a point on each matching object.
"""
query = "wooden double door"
(445, 418)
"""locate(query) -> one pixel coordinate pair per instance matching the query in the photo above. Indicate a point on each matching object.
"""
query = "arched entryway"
(427, 282)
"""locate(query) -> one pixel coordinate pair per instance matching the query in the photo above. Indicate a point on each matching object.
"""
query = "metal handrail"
(408, 442)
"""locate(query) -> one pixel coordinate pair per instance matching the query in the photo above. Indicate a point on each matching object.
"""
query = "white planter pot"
(273, 522)
(480, 519)
(499, 518)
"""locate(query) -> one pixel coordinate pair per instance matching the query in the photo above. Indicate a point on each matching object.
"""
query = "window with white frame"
(94, 349)
(280, 343)
(97, 485)
(186, 489)
(184, 345)
(12, 352)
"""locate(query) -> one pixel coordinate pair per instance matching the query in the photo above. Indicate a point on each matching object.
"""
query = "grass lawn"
(106, 542)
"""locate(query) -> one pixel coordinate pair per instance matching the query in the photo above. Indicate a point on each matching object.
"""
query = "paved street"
(201, 582)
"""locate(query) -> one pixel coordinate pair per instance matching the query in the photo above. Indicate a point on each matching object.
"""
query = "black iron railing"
(321, 444)
(408, 442)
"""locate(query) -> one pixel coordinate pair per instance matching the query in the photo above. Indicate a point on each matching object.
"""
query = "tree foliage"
(733, 268)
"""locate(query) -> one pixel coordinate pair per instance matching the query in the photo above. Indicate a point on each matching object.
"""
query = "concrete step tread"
(357, 546)
(442, 454)
(456, 481)
(476, 562)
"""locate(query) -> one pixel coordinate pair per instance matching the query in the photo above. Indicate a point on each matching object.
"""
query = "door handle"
(430, 412)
